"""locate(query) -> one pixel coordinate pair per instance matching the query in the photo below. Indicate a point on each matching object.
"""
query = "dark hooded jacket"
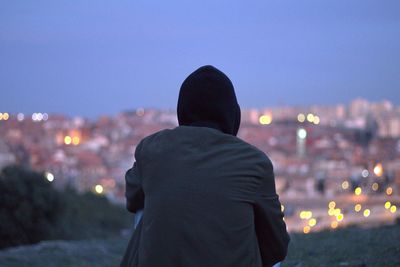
(209, 198)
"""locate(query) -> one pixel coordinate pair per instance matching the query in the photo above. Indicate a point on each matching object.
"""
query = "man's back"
(202, 191)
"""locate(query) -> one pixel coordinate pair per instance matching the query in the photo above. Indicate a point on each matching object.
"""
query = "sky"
(101, 57)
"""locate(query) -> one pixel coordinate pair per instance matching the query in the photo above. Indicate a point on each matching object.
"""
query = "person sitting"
(208, 198)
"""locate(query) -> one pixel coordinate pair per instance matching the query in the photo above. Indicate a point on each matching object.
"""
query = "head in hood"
(207, 98)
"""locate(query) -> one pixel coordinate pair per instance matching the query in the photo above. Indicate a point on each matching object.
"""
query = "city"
(334, 165)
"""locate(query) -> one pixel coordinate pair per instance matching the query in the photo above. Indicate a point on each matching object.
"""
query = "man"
(208, 198)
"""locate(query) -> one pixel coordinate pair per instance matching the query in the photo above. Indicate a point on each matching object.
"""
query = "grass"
(87, 253)
(345, 247)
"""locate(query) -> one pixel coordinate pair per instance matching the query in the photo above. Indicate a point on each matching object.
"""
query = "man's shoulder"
(149, 140)
(155, 135)
(261, 155)
(202, 136)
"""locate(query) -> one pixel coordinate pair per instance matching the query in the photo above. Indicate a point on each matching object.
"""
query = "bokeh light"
(76, 140)
(305, 214)
(49, 176)
(99, 189)
(375, 186)
(310, 117)
(367, 212)
(337, 212)
(378, 170)
(302, 133)
(345, 185)
(301, 117)
(6, 116)
(20, 116)
(312, 222)
(358, 191)
(316, 120)
(365, 173)
(265, 119)
(393, 209)
(67, 140)
(357, 207)
(389, 191)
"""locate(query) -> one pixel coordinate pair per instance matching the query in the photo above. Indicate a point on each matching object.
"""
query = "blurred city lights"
(302, 133)
(301, 117)
(356, 194)
(316, 120)
(345, 185)
(389, 191)
(265, 119)
(366, 213)
(20, 116)
(305, 214)
(358, 191)
(4, 116)
(365, 173)
(393, 209)
(337, 212)
(310, 117)
(312, 222)
(375, 186)
(378, 170)
(49, 176)
(99, 189)
(35, 116)
(67, 140)
(357, 207)
(76, 140)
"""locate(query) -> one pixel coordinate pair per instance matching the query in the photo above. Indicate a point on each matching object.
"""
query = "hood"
(207, 98)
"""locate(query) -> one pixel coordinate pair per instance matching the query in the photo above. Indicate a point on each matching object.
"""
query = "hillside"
(345, 247)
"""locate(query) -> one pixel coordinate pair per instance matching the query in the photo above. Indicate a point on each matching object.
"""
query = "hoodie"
(207, 98)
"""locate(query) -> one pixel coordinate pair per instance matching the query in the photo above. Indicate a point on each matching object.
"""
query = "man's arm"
(272, 236)
(133, 192)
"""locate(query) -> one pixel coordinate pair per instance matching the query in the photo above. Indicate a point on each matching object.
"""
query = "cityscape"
(334, 166)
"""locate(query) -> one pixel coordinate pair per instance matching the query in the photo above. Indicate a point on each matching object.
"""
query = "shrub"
(29, 207)
(31, 210)
(90, 215)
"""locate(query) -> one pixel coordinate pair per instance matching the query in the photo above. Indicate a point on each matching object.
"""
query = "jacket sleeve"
(133, 186)
(271, 232)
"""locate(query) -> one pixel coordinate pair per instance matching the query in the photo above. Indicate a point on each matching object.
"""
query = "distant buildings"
(314, 149)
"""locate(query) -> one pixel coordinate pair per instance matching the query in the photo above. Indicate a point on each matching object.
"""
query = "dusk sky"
(101, 57)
